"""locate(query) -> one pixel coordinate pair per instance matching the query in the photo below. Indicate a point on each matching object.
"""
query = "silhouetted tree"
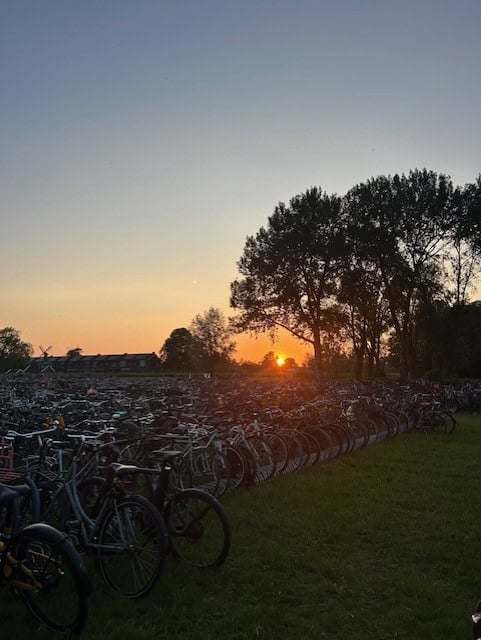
(471, 228)
(404, 225)
(290, 271)
(75, 351)
(268, 362)
(182, 352)
(212, 332)
(14, 353)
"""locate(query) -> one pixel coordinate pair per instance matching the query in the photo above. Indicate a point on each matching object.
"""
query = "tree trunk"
(358, 364)
(403, 357)
(317, 353)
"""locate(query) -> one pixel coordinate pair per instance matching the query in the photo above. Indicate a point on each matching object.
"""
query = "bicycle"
(40, 565)
(127, 534)
(197, 525)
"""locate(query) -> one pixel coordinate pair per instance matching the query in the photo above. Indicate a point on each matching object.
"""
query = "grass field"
(383, 544)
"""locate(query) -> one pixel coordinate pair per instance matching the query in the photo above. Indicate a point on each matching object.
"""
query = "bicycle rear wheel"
(56, 585)
(133, 536)
(199, 531)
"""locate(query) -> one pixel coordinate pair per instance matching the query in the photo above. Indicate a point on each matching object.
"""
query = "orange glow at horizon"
(128, 333)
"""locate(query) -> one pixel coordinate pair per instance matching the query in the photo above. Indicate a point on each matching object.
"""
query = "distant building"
(127, 362)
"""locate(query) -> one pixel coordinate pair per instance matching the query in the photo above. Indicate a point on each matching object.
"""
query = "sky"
(142, 141)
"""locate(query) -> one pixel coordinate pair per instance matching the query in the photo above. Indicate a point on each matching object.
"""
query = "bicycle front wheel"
(54, 584)
(199, 531)
(133, 539)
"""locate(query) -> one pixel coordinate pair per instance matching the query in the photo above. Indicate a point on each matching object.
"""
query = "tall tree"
(362, 293)
(14, 352)
(182, 352)
(213, 333)
(472, 212)
(290, 272)
(405, 224)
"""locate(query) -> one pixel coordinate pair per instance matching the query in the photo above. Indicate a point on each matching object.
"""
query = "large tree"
(362, 293)
(472, 212)
(182, 352)
(213, 334)
(405, 225)
(290, 272)
(14, 352)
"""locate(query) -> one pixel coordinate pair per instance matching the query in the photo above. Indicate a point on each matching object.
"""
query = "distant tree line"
(396, 255)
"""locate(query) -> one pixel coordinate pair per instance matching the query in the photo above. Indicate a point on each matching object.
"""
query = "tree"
(362, 293)
(269, 361)
(14, 353)
(404, 226)
(75, 351)
(290, 272)
(182, 352)
(212, 332)
(472, 212)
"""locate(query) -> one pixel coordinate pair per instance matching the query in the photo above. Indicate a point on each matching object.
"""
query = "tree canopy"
(205, 347)
(182, 352)
(14, 352)
(290, 271)
(213, 333)
(328, 269)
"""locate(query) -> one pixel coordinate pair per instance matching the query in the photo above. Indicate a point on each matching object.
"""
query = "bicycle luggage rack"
(7, 474)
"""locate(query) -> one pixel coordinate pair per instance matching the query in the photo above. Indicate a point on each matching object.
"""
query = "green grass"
(383, 544)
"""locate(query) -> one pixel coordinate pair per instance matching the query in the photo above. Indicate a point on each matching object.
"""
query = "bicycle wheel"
(133, 539)
(265, 461)
(439, 423)
(279, 450)
(236, 466)
(295, 452)
(311, 448)
(199, 531)
(450, 422)
(204, 472)
(56, 585)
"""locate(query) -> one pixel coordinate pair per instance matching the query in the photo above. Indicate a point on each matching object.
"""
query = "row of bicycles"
(115, 475)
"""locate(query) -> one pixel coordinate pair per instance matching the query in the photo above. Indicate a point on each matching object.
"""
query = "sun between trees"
(386, 269)
(391, 252)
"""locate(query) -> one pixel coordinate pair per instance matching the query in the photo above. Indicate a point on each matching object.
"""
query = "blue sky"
(143, 141)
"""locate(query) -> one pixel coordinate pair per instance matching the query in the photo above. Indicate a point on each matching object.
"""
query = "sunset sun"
(280, 361)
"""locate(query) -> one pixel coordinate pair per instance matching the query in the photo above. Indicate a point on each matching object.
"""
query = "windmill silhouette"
(45, 351)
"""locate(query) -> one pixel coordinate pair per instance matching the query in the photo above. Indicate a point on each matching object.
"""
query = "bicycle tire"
(451, 422)
(137, 521)
(52, 561)
(439, 423)
(265, 461)
(236, 466)
(295, 452)
(279, 450)
(325, 442)
(199, 531)
(311, 448)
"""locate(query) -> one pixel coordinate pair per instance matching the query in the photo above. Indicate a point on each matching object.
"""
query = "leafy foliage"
(212, 332)
(14, 353)
(290, 271)
(326, 268)
(182, 352)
